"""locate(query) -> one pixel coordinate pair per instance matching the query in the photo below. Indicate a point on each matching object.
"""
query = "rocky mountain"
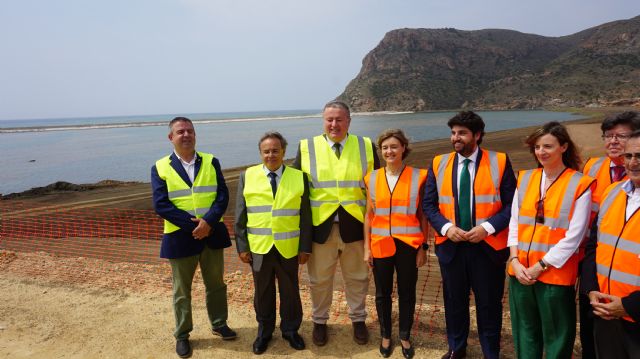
(434, 69)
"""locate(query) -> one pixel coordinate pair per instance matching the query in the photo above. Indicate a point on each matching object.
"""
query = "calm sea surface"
(87, 150)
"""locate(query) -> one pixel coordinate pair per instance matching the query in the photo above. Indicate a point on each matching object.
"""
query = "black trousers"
(404, 263)
(285, 270)
(616, 339)
(473, 269)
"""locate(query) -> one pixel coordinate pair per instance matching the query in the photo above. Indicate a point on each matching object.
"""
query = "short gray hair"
(276, 135)
(338, 104)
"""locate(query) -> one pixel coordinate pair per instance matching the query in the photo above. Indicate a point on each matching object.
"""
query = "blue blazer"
(500, 221)
(181, 243)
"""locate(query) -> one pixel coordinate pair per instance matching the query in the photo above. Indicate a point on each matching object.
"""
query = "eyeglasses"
(630, 156)
(617, 136)
(540, 211)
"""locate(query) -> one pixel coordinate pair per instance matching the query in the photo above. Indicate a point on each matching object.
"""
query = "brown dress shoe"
(360, 333)
(319, 334)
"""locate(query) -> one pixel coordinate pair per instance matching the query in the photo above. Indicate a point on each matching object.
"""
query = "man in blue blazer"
(190, 194)
(467, 199)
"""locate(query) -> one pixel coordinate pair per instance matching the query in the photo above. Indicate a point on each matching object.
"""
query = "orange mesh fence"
(130, 237)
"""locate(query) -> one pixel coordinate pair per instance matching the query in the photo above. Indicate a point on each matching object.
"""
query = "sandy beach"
(48, 313)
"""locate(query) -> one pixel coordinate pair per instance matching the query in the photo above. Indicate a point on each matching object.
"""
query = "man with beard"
(467, 199)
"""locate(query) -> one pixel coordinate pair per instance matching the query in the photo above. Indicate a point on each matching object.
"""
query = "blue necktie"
(464, 197)
(274, 185)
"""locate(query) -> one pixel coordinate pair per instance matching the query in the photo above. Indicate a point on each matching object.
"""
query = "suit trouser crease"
(543, 319)
(404, 263)
(211, 263)
(355, 274)
(472, 269)
(285, 271)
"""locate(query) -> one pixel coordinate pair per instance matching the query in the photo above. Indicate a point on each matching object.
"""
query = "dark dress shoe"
(225, 332)
(295, 340)
(260, 345)
(183, 348)
(408, 352)
(360, 333)
(319, 334)
(462, 353)
(386, 352)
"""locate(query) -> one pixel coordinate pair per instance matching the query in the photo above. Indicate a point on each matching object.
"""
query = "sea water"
(87, 150)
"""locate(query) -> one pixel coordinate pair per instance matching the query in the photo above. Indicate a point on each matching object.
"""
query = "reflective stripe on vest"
(618, 249)
(536, 239)
(395, 213)
(336, 182)
(195, 200)
(273, 221)
(486, 191)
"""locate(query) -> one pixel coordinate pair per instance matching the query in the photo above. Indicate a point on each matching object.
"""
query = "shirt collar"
(331, 143)
(278, 172)
(473, 157)
(629, 188)
(192, 162)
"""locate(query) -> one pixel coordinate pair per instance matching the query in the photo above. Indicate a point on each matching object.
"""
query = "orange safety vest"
(536, 239)
(395, 213)
(618, 251)
(600, 169)
(486, 191)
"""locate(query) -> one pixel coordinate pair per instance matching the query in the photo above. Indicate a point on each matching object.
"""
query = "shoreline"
(509, 141)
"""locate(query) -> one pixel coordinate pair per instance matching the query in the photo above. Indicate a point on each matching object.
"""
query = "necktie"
(274, 185)
(464, 197)
(618, 173)
(336, 149)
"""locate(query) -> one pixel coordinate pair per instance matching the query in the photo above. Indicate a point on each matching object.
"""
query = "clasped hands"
(526, 276)
(606, 306)
(202, 230)
(474, 235)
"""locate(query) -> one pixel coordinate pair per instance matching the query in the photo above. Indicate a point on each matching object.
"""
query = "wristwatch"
(425, 246)
(543, 265)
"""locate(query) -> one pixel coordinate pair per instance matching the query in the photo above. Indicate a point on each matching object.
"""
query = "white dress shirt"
(278, 173)
(331, 143)
(633, 203)
(558, 255)
(190, 166)
(472, 171)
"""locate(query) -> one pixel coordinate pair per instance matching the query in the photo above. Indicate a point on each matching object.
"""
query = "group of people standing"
(336, 204)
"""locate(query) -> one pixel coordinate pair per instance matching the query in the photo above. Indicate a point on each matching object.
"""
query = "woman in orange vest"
(395, 235)
(549, 217)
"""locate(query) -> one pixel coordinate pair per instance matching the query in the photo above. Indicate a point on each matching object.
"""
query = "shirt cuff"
(445, 228)
(488, 227)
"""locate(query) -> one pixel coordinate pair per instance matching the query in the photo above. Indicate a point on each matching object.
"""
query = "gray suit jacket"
(242, 242)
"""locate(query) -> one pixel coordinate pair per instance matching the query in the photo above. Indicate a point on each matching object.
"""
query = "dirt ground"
(107, 309)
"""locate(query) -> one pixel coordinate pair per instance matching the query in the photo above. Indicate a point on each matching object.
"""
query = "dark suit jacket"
(351, 229)
(181, 243)
(242, 242)
(500, 221)
(589, 281)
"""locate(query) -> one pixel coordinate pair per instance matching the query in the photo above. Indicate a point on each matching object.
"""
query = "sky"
(83, 58)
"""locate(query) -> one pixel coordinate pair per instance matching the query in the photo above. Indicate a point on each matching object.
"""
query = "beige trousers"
(322, 269)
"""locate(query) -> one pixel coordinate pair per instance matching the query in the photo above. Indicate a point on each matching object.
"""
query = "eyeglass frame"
(617, 136)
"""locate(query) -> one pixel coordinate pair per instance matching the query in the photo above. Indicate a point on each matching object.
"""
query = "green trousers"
(543, 319)
(212, 268)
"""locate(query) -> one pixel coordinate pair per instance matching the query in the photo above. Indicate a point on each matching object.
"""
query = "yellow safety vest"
(273, 221)
(195, 200)
(336, 182)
